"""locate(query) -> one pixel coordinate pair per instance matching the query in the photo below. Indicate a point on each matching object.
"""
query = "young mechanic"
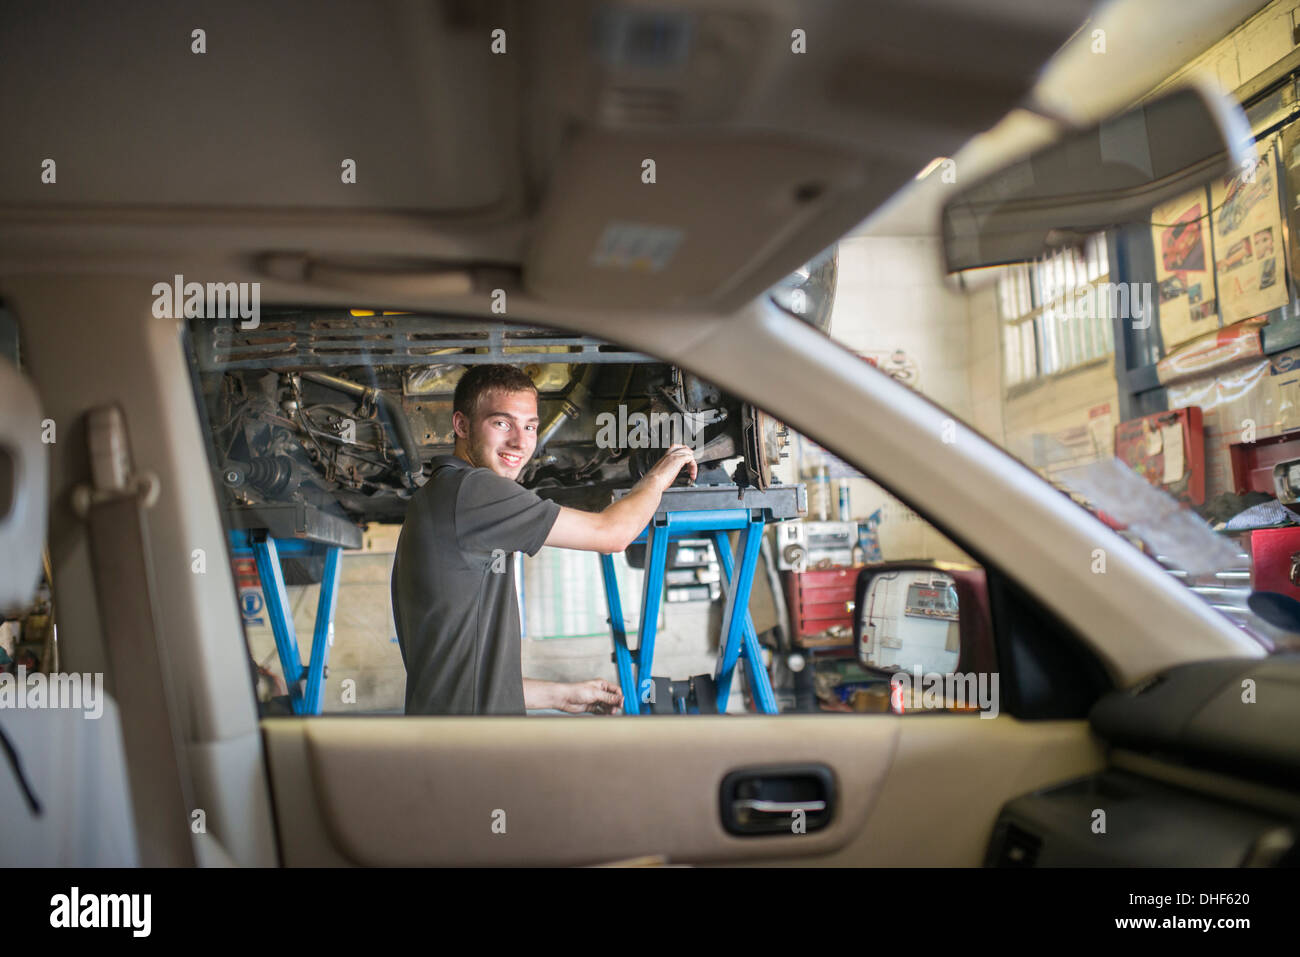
(453, 575)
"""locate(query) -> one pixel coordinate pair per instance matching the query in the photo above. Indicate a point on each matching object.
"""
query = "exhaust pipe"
(390, 413)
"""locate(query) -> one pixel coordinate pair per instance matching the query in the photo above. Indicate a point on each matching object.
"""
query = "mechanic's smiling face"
(502, 434)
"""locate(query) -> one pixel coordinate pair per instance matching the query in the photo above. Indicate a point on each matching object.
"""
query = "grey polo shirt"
(458, 619)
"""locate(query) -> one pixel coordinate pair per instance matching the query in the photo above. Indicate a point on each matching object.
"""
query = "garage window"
(1056, 312)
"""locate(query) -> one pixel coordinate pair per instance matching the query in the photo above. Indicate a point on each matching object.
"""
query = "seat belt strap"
(113, 507)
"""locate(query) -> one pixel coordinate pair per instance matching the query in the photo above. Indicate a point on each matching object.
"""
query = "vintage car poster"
(1248, 254)
(1290, 152)
(1185, 285)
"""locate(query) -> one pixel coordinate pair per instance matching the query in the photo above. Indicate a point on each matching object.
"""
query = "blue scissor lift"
(690, 512)
(273, 532)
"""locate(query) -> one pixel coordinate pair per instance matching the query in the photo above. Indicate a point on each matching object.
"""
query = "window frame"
(1040, 338)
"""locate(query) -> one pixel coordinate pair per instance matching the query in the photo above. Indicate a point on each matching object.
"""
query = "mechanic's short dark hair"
(480, 379)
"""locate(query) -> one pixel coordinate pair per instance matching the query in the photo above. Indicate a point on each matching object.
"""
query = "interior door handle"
(777, 807)
(777, 800)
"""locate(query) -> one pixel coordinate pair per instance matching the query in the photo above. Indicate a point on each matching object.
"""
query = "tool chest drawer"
(819, 599)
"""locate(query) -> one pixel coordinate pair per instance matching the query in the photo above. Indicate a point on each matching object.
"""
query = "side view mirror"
(923, 620)
(908, 618)
(1115, 172)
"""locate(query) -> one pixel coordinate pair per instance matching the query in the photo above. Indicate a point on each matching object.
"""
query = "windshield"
(1150, 371)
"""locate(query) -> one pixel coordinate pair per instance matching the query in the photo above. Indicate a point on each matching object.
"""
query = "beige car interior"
(478, 171)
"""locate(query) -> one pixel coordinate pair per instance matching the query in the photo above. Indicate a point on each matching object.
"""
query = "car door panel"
(413, 791)
(407, 791)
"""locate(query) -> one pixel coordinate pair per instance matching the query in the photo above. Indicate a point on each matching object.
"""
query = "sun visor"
(640, 221)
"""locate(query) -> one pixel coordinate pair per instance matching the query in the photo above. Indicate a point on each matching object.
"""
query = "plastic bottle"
(822, 483)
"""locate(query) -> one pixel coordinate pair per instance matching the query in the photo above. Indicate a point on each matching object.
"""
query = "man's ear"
(460, 425)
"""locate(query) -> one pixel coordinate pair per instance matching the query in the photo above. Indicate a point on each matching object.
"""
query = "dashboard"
(1203, 771)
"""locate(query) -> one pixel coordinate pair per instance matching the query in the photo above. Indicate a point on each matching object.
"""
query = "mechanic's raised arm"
(614, 529)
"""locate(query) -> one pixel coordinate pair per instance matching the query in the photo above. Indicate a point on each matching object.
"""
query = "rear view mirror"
(1113, 173)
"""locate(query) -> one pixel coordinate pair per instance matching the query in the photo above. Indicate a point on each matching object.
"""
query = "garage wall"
(891, 295)
(892, 303)
(1249, 50)
(953, 331)
(1068, 421)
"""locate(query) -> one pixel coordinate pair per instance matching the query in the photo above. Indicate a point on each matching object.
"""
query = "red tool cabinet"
(1271, 550)
(819, 600)
(1179, 471)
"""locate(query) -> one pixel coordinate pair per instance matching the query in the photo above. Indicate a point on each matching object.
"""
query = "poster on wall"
(1290, 150)
(1185, 285)
(1248, 250)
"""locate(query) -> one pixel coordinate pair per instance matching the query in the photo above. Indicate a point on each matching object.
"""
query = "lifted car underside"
(338, 413)
(344, 412)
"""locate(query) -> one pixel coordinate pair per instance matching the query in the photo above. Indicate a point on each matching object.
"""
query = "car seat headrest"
(24, 489)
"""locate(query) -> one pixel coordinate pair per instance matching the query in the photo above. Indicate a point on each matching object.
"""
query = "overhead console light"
(639, 38)
(654, 67)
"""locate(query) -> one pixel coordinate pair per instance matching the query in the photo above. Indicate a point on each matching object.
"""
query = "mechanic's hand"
(665, 470)
(597, 696)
